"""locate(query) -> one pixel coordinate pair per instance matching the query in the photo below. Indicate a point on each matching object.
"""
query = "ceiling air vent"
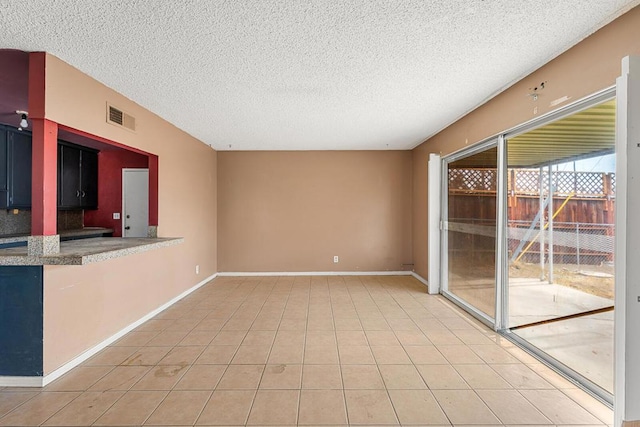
(120, 118)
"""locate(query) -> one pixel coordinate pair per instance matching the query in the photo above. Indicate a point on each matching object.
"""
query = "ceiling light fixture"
(23, 119)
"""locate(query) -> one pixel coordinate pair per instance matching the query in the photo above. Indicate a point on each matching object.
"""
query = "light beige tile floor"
(585, 344)
(308, 351)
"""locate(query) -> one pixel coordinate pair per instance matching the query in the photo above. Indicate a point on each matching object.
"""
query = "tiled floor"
(584, 344)
(308, 351)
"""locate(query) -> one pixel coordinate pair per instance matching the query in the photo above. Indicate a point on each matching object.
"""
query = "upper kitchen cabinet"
(4, 170)
(15, 169)
(89, 179)
(77, 177)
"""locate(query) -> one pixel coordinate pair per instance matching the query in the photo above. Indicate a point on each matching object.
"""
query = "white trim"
(421, 279)
(433, 222)
(122, 205)
(21, 381)
(42, 381)
(620, 285)
(627, 270)
(326, 273)
(6, 381)
(314, 273)
(443, 278)
(502, 249)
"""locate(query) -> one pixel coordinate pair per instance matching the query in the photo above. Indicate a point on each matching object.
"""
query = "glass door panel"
(470, 230)
(560, 210)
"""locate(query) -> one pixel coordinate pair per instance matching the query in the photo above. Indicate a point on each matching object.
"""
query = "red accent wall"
(110, 165)
(153, 190)
(14, 85)
(44, 181)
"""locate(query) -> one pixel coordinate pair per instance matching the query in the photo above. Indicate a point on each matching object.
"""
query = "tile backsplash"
(20, 222)
(70, 220)
(15, 223)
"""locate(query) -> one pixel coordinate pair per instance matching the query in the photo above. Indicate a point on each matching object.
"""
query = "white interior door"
(135, 202)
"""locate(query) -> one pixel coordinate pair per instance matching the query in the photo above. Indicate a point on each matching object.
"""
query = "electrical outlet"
(336, 259)
(197, 269)
(116, 215)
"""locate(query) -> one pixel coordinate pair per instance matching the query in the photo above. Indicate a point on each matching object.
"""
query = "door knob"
(127, 228)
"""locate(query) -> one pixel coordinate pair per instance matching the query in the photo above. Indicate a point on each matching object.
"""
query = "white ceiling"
(306, 75)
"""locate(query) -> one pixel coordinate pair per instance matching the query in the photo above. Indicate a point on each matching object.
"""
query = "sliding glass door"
(527, 237)
(560, 237)
(469, 230)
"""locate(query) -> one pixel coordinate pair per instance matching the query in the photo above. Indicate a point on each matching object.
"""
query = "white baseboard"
(420, 278)
(44, 380)
(20, 381)
(35, 381)
(315, 273)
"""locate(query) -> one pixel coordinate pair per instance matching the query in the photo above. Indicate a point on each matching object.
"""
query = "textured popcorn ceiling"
(306, 75)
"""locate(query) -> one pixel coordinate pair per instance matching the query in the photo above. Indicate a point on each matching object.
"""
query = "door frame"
(627, 269)
(500, 321)
(444, 228)
(588, 385)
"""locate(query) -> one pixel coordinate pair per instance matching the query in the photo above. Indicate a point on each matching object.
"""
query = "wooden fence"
(583, 228)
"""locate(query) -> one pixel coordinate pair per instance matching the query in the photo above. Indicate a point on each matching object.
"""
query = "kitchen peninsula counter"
(86, 250)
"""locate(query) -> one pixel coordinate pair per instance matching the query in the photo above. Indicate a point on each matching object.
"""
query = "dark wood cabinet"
(20, 170)
(89, 179)
(4, 170)
(77, 173)
(68, 177)
(77, 177)
(15, 169)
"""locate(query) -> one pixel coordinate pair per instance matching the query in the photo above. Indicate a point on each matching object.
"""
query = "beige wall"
(278, 211)
(84, 305)
(588, 67)
(293, 211)
(91, 300)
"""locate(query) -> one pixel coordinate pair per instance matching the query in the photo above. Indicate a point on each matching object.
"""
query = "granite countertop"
(13, 238)
(86, 231)
(86, 251)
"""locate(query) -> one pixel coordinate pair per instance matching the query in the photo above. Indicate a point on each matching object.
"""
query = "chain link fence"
(583, 233)
(573, 243)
